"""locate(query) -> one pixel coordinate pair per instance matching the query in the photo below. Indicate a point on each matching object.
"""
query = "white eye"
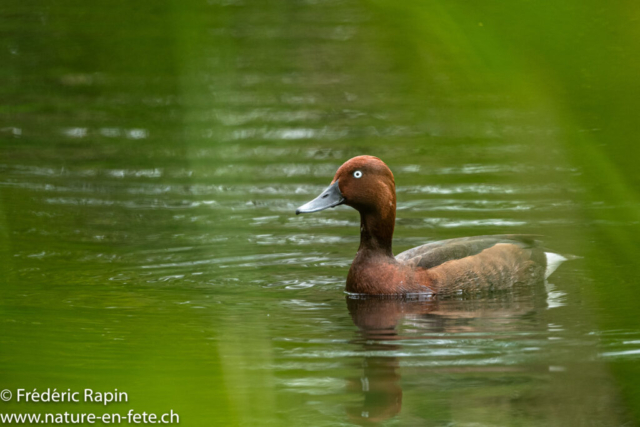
(357, 174)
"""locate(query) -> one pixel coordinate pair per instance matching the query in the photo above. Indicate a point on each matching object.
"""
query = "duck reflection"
(382, 320)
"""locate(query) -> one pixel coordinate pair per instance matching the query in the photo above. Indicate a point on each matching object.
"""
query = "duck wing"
(437, 253)
(500, 266)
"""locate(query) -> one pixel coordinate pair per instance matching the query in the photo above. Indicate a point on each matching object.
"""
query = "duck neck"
(376, 231)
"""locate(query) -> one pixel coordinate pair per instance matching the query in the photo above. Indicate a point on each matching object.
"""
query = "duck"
(460, 265)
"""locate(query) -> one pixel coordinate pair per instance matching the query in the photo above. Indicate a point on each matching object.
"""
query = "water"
(152, 157)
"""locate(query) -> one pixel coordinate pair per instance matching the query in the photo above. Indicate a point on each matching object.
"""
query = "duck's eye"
(357, 174)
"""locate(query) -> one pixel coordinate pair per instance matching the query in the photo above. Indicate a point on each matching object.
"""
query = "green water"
(152, 155)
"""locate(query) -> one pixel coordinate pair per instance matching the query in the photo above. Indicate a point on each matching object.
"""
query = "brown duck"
(467, 264)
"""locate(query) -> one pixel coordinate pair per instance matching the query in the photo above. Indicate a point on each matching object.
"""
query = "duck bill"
(329, 198)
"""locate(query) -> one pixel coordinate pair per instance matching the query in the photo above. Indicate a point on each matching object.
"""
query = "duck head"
(366, 184)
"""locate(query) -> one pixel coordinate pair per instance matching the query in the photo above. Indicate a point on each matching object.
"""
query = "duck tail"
(553, 262)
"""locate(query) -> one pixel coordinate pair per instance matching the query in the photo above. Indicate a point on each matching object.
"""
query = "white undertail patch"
(553, 262)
